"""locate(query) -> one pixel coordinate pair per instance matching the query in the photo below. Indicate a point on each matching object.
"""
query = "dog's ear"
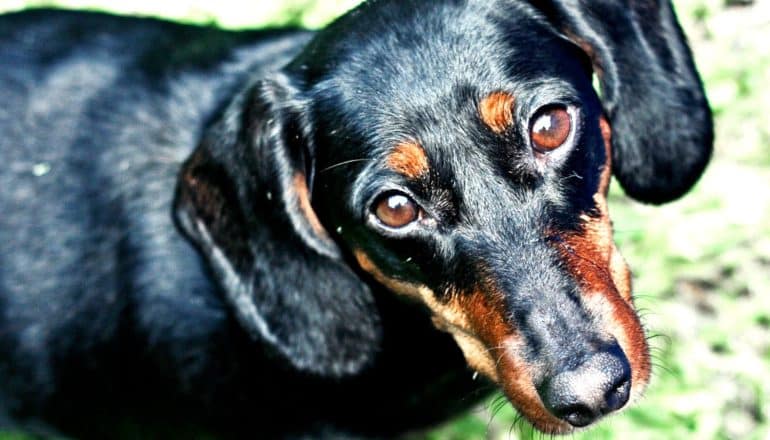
(653, 96)
(243, 197)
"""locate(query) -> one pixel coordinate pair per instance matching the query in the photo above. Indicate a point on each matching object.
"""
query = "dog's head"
(457, 152)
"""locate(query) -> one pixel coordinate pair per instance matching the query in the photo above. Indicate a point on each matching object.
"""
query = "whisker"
(347, 162)
(520, 429)
(494, 408)
(498, 406)
(659, 364)
(666, 338)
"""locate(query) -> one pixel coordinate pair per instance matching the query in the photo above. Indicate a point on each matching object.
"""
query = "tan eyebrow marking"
(408, 158)
(496, 110)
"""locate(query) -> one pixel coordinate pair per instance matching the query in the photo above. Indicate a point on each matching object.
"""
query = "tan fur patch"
(450, 316)
(409, 159)
(496, 110)
(512, 373)
(487, 324)
(303, 203)
(477, 355)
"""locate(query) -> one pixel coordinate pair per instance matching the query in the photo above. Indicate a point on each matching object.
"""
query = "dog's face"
(483, 195)
(458, 153)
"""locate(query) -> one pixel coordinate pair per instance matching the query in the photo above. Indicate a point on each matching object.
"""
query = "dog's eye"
(396, 210)
(550, 128)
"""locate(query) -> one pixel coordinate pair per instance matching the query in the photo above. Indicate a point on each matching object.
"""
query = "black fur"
(157, 273)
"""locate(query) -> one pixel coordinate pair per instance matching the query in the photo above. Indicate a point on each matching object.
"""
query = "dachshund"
(293, 234)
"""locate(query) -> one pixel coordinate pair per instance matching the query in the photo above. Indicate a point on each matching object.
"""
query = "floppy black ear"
(243, 197)
(653, 96)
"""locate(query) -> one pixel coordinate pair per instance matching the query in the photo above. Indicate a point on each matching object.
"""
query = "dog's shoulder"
(98, 113)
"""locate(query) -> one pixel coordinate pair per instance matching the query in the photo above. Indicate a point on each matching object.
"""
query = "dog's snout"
(597, 387)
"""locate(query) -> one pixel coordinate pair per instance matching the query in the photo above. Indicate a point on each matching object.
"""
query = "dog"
(295, 234)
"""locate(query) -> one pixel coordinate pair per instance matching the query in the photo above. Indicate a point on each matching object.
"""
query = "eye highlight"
(396, 210)
(550, 128)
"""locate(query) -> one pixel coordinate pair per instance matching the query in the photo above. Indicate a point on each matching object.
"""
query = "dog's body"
(107, 310)
(161, 263)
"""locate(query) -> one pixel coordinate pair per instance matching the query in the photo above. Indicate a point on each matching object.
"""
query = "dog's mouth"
(558, 382)
(564, 361)
(559, 393)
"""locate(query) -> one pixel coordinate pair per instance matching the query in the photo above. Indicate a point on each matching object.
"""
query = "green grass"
(702, 264)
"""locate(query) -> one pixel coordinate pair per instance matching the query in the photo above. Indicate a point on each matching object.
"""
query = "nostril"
(618, 395)
(563, 398)
(576, 415)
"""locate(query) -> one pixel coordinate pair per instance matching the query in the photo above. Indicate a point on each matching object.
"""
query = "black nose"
(598, 386)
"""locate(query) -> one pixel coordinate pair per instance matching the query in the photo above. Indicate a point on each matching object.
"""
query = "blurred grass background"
(702, 264)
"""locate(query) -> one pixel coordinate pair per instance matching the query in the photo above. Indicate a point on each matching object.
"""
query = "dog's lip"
(515, 379)
(505, 367)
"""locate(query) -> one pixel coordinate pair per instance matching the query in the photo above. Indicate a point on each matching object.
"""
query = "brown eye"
(550, 129)
(396, 210)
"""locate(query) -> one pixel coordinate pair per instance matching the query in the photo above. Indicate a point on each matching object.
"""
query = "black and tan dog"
(285, 234)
